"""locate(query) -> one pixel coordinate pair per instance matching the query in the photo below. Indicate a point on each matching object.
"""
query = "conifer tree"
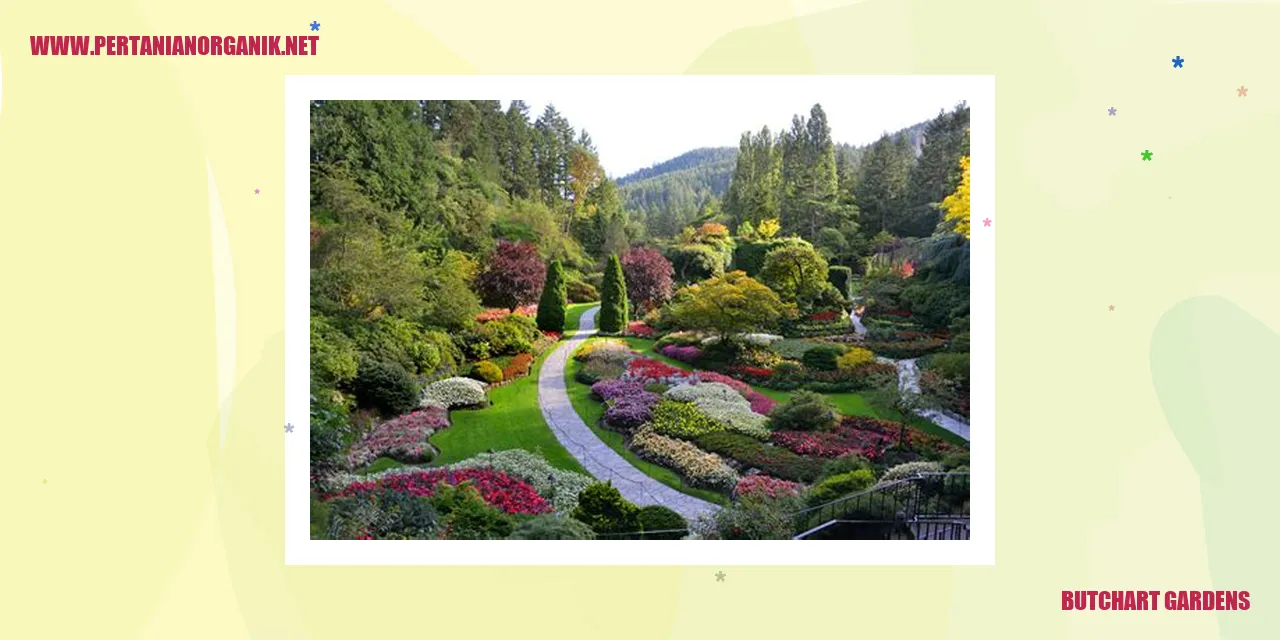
(613, 298)
(551, 305)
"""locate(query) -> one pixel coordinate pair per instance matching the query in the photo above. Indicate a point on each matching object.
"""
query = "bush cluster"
(753, 454)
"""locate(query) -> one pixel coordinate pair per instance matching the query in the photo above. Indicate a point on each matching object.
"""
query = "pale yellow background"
(125, 516)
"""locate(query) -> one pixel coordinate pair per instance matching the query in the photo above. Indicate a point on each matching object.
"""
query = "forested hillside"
(669, 195)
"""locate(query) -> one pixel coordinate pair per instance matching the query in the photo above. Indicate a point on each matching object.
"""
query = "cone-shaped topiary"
(551, 305)
(613, 298)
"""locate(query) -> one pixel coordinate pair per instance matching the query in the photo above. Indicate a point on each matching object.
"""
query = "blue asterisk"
(1177, 62)
(315, 26)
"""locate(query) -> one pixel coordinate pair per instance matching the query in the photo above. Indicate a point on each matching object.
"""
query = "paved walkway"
(601, 461)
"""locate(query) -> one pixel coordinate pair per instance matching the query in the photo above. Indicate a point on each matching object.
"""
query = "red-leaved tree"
(513, 277)
(649, 278)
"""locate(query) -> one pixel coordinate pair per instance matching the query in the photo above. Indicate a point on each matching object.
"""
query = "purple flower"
(629, 412)
(688, 354)
(611, 389)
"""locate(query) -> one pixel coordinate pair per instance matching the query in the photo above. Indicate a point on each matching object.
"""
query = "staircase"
(926, 506)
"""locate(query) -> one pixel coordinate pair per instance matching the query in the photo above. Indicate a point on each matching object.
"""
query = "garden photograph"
(715, 322)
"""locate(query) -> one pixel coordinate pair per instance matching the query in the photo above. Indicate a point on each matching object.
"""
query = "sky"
(634, 127)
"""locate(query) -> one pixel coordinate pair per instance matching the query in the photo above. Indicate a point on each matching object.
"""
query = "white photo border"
(979, 92)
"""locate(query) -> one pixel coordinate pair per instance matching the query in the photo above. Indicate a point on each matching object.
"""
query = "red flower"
(505, 492)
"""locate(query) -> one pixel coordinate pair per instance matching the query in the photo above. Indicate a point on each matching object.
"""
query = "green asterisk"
(1146, 155)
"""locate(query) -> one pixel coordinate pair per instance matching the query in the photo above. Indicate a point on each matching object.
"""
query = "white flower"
(454, 392)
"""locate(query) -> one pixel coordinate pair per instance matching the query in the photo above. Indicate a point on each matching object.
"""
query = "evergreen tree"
(613, 299)
(551, 306)
(519, 174)
(936, 174)
(882, 182)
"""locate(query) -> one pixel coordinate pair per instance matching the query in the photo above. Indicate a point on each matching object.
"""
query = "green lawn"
(848, 403)
(512, 421)
(573, 313)
(591, 411)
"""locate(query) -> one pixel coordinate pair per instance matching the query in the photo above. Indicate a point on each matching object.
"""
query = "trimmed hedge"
(656, 517)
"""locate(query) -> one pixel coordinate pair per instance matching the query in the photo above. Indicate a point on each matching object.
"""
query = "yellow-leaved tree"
(768, 228)
(957, 204)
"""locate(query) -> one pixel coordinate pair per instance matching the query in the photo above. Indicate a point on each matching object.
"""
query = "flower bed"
(630, 412)
(865, 436)
(688, 354)
(902, 349)
(697, 391)
(499, 489)
(736, 415)
(608, 350)
(682, 420)
(750, 453)
(647, 371)
(557, 485)
(451, 393)
(403, 438)
(641, 330)
(825, 316)
(699, 467)
(762, 486)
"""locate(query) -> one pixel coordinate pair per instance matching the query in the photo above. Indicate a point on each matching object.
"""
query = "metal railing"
(926, 506)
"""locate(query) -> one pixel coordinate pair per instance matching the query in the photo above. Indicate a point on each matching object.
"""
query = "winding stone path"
(601, 461)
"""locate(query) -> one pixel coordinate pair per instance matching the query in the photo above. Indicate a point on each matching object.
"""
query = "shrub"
(514, 333)
(602, 507)
(948, 365)
(751, 453)
(762, 486)
(854, 358)
(469, 517)
(699, 467)
(757, 518)
(403, 438)
(487, 371)
(678, 338)
(383, 515)
(656, 517)
(842, 279)
(548, 527)
(682, 420)
(384, 386)
(595, 371)
(823, 357)
(578, 291)
(613, 300)
(519, 366)
(557, 485)
(909, 469)
(840, 485)
(844, 464)
(452, 393)
(551, 304)
(806, 411)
